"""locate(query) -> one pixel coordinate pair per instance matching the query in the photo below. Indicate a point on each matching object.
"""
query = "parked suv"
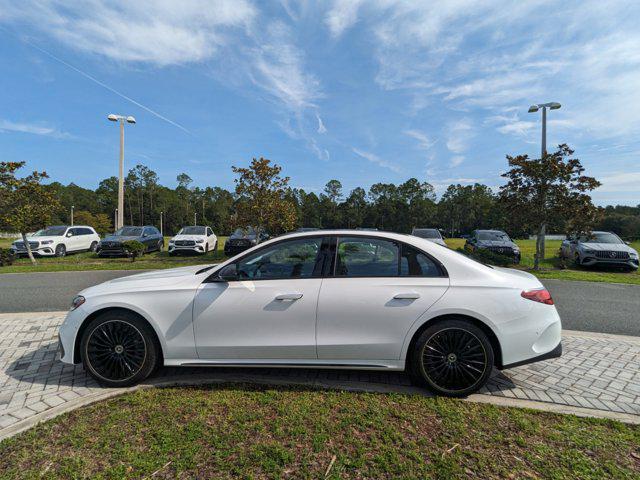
(243, 239)
(111, 245)
(193, 239)
(495, 241)
(599, 248)
(59, 240)
(431, 234)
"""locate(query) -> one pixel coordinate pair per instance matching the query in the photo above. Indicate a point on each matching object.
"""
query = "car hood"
(119, 238)
(145, 281)
(189, 237)
(616, 247)
(40, 239)
(496, 243)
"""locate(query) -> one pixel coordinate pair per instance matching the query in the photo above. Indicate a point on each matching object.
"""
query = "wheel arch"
(92, 315)
(493, 339)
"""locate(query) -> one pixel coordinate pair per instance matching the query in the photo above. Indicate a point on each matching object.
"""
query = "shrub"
(7, 257)
(489, 257)
(133, 249)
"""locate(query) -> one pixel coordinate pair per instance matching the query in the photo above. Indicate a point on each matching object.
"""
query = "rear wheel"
(93, 247)
(119, 349)
(61, 250)
(452, 358)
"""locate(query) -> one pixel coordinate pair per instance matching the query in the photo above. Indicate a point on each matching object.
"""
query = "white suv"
(59, 240)
(193, 239)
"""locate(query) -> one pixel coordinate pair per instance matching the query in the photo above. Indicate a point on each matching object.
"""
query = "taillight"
(541, 295)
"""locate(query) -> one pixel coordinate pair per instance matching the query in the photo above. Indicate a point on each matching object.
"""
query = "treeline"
(386, 206)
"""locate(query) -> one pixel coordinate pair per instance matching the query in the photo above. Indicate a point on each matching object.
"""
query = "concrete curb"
(198, 380)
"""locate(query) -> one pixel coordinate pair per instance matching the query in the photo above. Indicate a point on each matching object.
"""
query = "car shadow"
(41, 368)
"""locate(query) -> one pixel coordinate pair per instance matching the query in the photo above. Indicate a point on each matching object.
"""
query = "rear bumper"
(555, 353)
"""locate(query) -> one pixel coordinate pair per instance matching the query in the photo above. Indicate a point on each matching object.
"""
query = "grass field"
(242, 431)
(550, 267)
(91, 261)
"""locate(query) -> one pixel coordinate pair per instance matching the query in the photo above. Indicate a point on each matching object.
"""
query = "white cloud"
(458, 134)
(321, 128)
(160, 32)
(32, 128)
(424, 142)
(457, 160)
(342, 15)
(373, 158)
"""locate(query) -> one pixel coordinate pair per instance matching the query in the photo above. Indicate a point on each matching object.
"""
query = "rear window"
(427, 233)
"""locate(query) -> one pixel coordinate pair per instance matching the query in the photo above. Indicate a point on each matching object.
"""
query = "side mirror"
(228, 273)
(69, 234)
(145, 235)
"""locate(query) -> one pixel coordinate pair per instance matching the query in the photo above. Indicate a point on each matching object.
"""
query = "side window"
(293, 259)
(209, 232)
(414, 263)
(149, 231)
(86, 231)
(74, 231)
(366, 257)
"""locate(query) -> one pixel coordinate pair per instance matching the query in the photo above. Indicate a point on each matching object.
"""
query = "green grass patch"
(550, 267)
(91, 261)
(243, 431)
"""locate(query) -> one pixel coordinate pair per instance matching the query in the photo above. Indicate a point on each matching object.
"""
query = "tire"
(61, 250)
(206, 249)
(119, 349)
(160, 245)
(93, 247)
(453, 358)
(576, 260)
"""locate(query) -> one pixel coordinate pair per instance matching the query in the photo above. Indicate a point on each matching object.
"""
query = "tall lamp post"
(544, 106)
(72, 215)
(121, 119)
(540, 239)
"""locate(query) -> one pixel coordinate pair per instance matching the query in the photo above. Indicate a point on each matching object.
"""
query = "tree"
(262, 198)
(540, 191)
(100, 221)
(25, 204)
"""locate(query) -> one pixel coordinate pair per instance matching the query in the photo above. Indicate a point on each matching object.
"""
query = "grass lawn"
(91, 261)
(243, 431)
(550, 268)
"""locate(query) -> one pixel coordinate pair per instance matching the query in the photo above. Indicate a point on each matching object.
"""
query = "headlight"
(516, 249)
(47, 242)
(172, 241)
(77, 301)
(200, 240)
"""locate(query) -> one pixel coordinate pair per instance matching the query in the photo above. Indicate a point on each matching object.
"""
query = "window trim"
(319, 264)
(399, 244)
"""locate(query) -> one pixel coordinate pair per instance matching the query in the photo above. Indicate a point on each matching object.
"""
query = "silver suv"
(599, 248)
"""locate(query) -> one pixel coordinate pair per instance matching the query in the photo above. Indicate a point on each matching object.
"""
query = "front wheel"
(119, 349)
(453, 358)
(61, 250)
(93, 247)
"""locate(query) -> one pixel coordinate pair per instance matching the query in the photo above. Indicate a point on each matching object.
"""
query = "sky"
(360, 91)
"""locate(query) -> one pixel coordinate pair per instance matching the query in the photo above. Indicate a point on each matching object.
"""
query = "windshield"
(51, 232)
(602, 237)
(493, 235)
(129, 232)
(241, 232)
(427, 233)
(192, 231)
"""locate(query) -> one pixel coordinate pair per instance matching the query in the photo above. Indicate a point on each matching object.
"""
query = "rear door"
(378, 289)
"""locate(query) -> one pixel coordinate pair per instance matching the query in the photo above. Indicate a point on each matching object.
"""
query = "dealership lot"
(597, 375)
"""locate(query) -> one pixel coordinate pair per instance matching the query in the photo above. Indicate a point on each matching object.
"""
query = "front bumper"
(111, 252)
(43, 251)
(67, 333)
(198, 248)
(589, 261)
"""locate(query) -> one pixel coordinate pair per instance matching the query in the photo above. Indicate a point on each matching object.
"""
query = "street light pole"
(195, 218)
(544, 106)
(72, 215)
(121, 119)
(161, 234)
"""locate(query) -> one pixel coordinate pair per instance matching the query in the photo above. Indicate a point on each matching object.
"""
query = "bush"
(133, 249)
(7, 257)
(488, 257)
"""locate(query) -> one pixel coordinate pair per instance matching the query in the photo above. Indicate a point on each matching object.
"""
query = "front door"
(380, 288)
(269, 313)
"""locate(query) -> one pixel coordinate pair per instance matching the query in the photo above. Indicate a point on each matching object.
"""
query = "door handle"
(289, 296)
(406, 296)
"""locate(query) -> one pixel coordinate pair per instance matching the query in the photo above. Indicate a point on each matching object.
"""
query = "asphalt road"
(586, 306)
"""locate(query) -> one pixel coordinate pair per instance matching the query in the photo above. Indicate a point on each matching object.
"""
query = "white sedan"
(194, 239)
(326, 299)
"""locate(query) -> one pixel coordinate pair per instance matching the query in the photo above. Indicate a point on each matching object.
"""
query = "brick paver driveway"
(598, 372)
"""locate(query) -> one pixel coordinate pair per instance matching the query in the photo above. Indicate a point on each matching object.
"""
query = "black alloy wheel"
(61, 250)
(453, 358)
(93, 247)
(119, 349)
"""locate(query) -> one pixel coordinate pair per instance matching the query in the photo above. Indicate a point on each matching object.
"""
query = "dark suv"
(111, 245)
(495, 241)
(243, 239)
